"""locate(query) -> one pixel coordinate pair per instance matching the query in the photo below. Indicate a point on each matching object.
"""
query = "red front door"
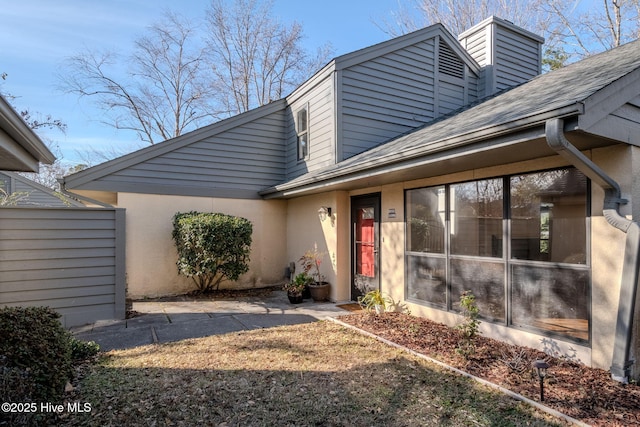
(365, 213)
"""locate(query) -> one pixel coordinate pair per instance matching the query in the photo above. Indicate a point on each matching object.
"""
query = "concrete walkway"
(178, 319)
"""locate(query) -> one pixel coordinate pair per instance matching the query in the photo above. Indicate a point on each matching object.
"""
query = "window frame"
(507, 260)
(302, 133)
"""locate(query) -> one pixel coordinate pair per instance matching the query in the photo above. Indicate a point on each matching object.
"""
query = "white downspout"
(621, 361)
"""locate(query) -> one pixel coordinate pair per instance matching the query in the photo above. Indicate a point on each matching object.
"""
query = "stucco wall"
(607, 248)
(151, 254)
(332, 237)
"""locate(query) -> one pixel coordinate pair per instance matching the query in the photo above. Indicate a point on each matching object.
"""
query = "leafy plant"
(373, 299)
(297, 285)
(12, 199)
(469, 328)
(36, 352)
(311, 261)
(212, 247)
(82, 350)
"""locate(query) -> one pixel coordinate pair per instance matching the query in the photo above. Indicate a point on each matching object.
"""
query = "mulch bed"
(583, 393)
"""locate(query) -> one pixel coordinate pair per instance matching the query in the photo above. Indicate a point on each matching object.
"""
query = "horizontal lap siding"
(387, 96)
(36, 196)
(517, 59)
(247, 157)
(70, 259)
(320, 103)
(476, 45)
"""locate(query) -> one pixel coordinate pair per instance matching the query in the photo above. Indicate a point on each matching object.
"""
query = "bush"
(212, 247)
(469, 328)
(35, 354)
(83, 350)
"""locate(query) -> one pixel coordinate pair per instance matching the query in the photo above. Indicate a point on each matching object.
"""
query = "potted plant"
(310, 261)
(374, 300)
(296, 287)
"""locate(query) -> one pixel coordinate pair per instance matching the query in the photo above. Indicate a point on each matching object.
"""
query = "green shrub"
(212, 247)
(469, 328)
(82, 350)
(35, 351)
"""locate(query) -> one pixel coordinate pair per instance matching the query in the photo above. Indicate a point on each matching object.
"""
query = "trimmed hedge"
(212, 247)
(35, 354)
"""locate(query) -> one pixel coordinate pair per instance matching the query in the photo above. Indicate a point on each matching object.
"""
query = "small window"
(302, 131)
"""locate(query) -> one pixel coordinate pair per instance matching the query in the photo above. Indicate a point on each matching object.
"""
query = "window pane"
(551, 299)
(548, 211)
(476, 218)
(302, 120)
(425, 220)
(303, 146)
(426, 279)
(302, 132)
(485, 279)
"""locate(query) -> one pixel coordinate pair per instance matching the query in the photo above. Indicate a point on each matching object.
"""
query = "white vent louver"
(448, 61)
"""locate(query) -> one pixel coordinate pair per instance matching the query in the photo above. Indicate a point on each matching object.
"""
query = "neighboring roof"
(20, 147)
(39, 195)
(569, 91)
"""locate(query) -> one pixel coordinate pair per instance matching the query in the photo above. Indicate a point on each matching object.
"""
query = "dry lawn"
(318, 374)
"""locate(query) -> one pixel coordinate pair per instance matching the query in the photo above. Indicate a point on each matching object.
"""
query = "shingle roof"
(559, 93)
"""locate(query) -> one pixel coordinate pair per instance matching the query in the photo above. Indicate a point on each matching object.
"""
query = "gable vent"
(448, 62)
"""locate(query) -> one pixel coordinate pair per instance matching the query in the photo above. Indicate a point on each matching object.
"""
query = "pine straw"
(583, 393)
(319, 374)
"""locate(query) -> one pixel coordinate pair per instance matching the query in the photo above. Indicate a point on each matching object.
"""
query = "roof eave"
(18, 130)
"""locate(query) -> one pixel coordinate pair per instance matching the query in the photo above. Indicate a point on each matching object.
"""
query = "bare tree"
(165, 92)
(460, 15)
(599, 26)
(256, 59)
(572, 29)
(172, 86)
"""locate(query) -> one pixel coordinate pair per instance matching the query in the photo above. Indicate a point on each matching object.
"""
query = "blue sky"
(37, 36)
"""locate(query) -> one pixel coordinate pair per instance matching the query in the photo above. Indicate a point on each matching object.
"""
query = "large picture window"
(519, 243)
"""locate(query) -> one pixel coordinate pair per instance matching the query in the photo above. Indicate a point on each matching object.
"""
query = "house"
(425, 166)
(31, 193)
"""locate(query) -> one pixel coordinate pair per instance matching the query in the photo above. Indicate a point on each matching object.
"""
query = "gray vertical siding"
(70, 259)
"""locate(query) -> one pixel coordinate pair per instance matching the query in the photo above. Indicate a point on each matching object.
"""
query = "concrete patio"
(167, 320)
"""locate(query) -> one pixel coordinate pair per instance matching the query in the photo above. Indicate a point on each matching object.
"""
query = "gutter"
(621, 360)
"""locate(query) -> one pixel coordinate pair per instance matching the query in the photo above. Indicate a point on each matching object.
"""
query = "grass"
(318, 374)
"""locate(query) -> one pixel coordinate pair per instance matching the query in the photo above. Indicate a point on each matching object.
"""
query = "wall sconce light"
(541, 368)
(324, 212)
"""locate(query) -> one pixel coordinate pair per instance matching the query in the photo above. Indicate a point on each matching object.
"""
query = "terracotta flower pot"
(320, 291)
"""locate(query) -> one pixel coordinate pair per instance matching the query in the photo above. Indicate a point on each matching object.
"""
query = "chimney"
(509, 55)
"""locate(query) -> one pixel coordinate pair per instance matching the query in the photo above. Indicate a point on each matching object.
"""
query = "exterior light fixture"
(324, 212)
(541, 368)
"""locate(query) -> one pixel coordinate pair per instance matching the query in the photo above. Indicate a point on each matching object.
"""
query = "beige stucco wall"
(606, 253)
(332, 237)
(151, 254)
